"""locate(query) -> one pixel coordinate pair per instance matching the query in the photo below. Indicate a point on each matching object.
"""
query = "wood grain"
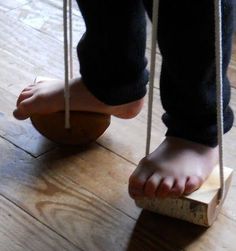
(46, 16)
(88, 222)
(12, 4)
(22, 134)
(97, 165)
(42, 188)
(19, 231)
(26, 50)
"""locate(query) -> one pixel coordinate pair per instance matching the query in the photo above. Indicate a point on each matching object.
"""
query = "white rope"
(219, 84)
(70, 39)
(152, 72)
(66, 67)
(219, 92)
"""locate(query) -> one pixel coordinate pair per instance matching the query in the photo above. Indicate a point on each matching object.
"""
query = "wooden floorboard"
(52, 189)
(29, 51)
(92, 169)
(23, 135)
(46, 16)
(81, 194)
(6, 6)
(42, 190)
(19, 231)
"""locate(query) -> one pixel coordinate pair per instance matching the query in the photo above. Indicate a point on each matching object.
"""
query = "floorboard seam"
(117, 154)
(23, 150)
(20, 6)
(18, 147)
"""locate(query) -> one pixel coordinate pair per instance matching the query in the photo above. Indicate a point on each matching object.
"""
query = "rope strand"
(66, 67)
(219, 91)
(70, 39)
(152, 73)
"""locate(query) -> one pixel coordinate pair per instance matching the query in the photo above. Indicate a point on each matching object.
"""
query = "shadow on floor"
(160, 233)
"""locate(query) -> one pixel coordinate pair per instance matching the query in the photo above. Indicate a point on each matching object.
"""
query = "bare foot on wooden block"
(175, 168)
(47, 96)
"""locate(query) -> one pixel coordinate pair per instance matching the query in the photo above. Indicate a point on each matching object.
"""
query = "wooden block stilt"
(200, 207)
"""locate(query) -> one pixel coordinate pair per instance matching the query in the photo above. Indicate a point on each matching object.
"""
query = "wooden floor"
(54, 198)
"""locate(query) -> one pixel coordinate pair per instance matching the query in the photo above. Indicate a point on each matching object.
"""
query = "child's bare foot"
(47, 97)
(175, 168)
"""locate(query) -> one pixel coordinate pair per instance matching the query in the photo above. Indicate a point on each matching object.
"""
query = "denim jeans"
(113, 64)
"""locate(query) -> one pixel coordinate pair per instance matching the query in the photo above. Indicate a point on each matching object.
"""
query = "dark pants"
(113, 63)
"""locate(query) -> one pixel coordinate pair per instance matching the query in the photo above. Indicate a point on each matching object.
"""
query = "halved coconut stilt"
(85, 127)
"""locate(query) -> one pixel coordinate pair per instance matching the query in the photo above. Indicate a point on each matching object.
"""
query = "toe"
(192, 184)
(136, 186)
(137, 181)
(24, 109)
(29, 87)
(165, 187)
(151, 185)
(24, 95)
(178, 187)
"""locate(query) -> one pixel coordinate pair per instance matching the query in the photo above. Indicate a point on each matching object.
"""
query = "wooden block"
(200, 207)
